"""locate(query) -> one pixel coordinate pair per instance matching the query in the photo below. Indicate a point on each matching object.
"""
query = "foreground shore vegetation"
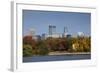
(32, 47)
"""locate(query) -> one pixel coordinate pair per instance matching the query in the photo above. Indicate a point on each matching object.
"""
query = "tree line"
(32, 47)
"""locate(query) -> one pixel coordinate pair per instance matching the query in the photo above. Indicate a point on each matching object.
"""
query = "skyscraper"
(65, 31)
(52, 29)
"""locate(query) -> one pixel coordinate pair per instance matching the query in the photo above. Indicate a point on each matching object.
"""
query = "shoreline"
(67, 53)
(63, 53)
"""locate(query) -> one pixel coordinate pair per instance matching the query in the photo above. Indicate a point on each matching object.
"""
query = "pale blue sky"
(40, 20)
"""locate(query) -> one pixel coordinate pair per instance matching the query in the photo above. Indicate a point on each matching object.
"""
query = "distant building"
(65, 32)
(52, 29)
(69, 35)
(32, 32)
(51, 33)
(81, 34)
(43, 37)
(54, 35)
(38, 37)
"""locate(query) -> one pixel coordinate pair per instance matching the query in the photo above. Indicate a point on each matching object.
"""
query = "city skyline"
(40, 20)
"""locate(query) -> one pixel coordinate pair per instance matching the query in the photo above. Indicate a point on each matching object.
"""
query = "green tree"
(27, 50)
(42, 48)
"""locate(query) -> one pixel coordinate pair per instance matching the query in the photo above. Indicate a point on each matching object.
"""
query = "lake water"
(56, 58)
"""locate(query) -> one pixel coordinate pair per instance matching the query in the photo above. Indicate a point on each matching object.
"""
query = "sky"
(40, 20)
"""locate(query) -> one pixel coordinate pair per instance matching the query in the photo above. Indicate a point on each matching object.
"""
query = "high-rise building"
(65, 29)
(52, 29)
(65, 32)
(32, 32)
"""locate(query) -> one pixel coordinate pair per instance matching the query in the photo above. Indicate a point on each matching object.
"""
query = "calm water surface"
(56, 58)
